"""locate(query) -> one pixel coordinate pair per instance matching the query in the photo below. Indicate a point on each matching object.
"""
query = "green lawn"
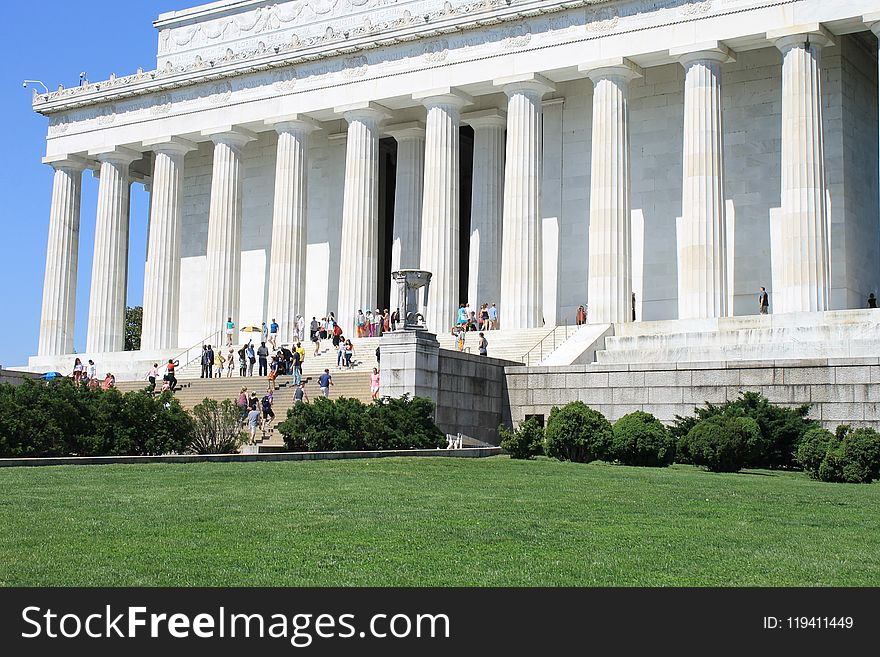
(437, 521)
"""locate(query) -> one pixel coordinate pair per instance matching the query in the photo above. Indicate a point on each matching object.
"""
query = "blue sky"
(53, 41)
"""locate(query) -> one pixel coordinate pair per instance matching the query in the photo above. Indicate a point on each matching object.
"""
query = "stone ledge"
(468, 452)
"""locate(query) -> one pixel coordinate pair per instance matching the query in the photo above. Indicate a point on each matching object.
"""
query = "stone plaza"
(657, 161)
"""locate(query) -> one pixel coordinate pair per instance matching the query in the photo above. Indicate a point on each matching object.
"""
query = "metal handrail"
(566, 335)
(184, 358)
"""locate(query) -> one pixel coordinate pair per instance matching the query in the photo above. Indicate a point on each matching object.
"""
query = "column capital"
(293, 123)
(872, 21)
(443, 96)
(713, 51)
(411, 130)
(789, 37)
(368, 111)
(616, 67)
(116, 155)
(489, 118)
(230, 135)
(534, 82)
(170, 145)
(67, 162)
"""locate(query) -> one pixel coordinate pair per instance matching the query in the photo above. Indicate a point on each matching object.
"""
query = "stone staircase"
(829, 334)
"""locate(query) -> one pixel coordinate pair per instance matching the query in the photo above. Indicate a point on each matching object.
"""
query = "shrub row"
(349, 424)
(846, 456)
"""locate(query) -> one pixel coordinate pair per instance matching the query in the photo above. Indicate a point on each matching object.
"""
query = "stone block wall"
(841, 391)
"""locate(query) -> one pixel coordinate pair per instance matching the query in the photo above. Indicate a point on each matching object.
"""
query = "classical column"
(106, 328)
(609, 283)
(359, 252)
(522, 286)
(804, 274)
(408, 192)
(487, 205)
(59, 283)
(287, 263)
(222, 295)
(440, 205)
(702, 245)
(162, 271)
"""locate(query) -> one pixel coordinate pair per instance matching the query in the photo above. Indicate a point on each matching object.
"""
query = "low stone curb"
(468, 452)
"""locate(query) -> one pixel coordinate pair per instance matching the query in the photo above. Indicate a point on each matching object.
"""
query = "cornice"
(468, 15)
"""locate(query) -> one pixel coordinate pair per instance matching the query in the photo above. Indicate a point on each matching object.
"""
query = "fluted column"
(487, 206)
(359, 252)
(522, 284)
(162, 271)
(408, 194)
(441, 235)
(106, 328)
(59, 284)
(287, 263)
(702, 244)
(804, 274)
(222, 296)
(609, 283)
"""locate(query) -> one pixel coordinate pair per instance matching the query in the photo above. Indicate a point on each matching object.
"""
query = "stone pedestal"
(410, 362)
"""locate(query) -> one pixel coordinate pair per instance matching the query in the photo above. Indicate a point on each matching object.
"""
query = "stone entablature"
(483, 33)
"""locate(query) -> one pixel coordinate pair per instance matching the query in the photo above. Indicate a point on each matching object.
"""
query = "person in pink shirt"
(374, 384)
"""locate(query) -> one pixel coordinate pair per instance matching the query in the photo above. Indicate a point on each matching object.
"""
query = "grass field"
(438, 522)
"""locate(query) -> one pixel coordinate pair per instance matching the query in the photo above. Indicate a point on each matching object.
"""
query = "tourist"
(242, 403)
(872, 301)
(109, 382)
(386, 321)
(263, 354)
(299, 395)
(267, 406)
(253, 421)
(204, 360)
(324, 382)
(152, 375)
(218, 362)
(230, 329)
(251, 357)
(483, 345)
(484, 317)
(92, 373)
(581, 317)
(169, 373)
(324, 329)
(764, 301)
(274, 368)
(349, 353)
(374, 384)
(316, 339)
(493, 318)
(377, 354)
(461, 320)
(378, 320)
(166, 387)
(395, 319)
(242, 362)
(472, 321)
(297, 366)
(302, 353)
(313, 329)
(230, 363)
(264, 333)
(273, 333)
(340, 353)
(77, 371)
(368, 328)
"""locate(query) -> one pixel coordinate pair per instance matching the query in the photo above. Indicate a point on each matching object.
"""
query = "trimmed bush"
(577, 433)
(782, 428)
(349, 424)
(813, 449)
(524, 442)
(64, 419)
(216, 428)
(723, 443)
(852, 456)
(641, 439)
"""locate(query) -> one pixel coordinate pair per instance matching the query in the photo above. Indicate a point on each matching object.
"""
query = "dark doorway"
(466, 169)
(387, 184)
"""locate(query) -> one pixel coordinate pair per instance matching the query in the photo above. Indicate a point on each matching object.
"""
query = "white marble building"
(536, 154)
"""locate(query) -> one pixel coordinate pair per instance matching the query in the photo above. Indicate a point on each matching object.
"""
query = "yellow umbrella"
(251, 329)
